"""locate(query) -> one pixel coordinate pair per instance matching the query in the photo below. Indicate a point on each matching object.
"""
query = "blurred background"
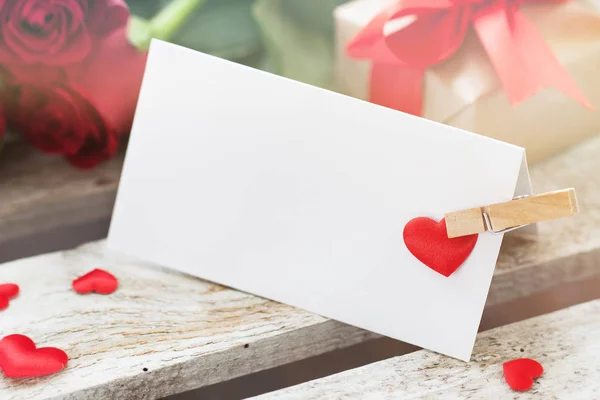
(70, 74)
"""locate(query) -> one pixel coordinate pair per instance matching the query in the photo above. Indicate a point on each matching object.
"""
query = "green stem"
(168, 21)
(163, 25)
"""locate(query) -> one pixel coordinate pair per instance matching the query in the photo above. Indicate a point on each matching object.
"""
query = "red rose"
(84, 117)
(58, 120)
(56, 32)
(110, 78)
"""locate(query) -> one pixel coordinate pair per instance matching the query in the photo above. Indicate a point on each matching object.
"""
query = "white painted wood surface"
(189, 333)
(566, 343)
(186, 332)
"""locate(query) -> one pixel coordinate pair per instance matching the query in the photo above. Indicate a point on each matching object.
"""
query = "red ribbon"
(518, 52)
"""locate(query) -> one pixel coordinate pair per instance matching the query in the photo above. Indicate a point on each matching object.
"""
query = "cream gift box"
(465, 92)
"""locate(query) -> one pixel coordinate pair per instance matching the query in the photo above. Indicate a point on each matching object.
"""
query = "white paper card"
(300, 195)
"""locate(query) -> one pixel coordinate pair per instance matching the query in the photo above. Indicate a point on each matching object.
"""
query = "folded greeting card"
(311, 198)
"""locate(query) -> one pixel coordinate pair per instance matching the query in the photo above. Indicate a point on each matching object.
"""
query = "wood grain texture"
(189, 333)
(537, 208)
(43, 194)
(565, 343)
(564, 250)
(186, 332)
(530, 210)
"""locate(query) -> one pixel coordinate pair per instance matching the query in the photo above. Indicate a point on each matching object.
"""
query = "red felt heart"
(520, 373)
(19, 358)
(7, 292)
(98, 281)
(428, 241)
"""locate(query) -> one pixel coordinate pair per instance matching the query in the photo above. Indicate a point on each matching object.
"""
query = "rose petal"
(105, 17)
(113, 95)
(51, 119)
(55, 32)
(93, 153)
(34, 74)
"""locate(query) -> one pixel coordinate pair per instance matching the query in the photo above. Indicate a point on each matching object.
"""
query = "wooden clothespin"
(504, 217)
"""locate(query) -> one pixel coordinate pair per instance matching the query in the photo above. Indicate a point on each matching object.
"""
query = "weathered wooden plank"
(42, 197)
(564, 250)
(161, 333)
(187, 332)
(565, 343)
(42, 194)
(171, 324)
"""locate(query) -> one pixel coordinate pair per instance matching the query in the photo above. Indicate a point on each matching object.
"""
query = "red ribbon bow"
(518, 52)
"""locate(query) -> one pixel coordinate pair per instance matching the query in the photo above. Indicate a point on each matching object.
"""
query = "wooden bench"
(44, 201)
(164, 333)
(564, 342)
(161, 333)
(47, 205)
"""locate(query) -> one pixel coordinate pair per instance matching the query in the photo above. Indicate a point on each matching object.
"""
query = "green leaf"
(295, 48)
(224, 28)
(315, 13)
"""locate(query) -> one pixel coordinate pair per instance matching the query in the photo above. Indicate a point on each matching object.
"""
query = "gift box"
(499, 78)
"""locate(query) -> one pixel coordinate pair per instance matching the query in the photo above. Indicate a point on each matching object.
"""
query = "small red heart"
(520, 373)
(19, 358)
(98, 281)
(7, 292)
(428, 241)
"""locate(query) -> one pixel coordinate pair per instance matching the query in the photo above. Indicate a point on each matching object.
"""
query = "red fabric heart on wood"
(19, 358)
(98, 281)
(520, 373)
(428, 241)
(7, 292)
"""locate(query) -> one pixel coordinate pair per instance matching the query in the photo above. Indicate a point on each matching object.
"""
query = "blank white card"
(300, 195)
